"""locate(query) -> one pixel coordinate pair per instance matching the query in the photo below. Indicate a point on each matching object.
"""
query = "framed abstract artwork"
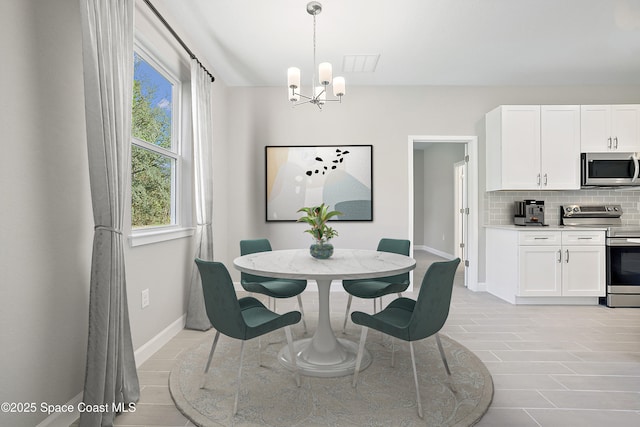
(338, 175)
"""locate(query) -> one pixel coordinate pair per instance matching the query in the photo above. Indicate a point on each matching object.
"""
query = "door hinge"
(466, 263)
(466, 158)
(462, 245)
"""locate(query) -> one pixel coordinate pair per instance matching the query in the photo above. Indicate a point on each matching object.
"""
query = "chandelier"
(318, 96)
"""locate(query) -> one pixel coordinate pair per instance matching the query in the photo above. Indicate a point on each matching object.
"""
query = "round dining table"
(324, 355)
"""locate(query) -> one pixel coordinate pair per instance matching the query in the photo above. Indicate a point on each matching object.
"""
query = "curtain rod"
(173, 33)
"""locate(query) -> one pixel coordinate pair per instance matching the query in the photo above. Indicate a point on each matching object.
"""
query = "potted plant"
(317, 217)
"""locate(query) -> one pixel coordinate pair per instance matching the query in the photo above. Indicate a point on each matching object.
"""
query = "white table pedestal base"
(324, 355)
(310, 364)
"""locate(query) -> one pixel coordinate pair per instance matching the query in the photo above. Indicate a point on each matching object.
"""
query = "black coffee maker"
(529, 212)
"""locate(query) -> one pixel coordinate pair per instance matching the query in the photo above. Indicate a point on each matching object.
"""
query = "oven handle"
(623, 241)
(634, 157)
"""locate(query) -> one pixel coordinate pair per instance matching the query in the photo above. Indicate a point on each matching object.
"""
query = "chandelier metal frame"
(319, 93)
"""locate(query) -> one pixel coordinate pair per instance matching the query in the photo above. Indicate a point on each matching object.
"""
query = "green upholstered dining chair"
(272, 287)
(243, 318)
(378, 287)
(411, 320)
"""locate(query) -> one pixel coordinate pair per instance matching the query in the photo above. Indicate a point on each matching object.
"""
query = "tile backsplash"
(499, 204)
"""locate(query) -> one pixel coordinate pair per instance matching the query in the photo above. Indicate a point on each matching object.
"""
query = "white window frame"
(181, 215)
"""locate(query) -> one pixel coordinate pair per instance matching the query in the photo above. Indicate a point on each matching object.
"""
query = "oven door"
(623, 272)
(609, 169)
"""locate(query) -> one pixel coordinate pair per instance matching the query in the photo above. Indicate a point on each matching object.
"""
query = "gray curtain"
(202, 159)
(107, 48)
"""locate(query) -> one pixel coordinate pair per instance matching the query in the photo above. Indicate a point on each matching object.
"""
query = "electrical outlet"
(145, 298)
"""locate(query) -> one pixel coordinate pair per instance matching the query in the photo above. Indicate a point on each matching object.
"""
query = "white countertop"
(536, 228)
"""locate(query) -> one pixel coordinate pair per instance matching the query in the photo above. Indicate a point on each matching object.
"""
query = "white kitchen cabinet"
(584, 263)
(546, 267)
(533, 147)
(540, 271)
(610, 128)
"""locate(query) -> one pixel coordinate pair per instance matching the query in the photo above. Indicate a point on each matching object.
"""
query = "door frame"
(471, 143)
(460, 203)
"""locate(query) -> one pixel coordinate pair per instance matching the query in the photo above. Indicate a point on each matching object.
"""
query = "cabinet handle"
(585, 238)
(538, 180)
(540, 238)
(567, 256)
(609, 142)
(545, 179)
(615, 142)
(559, 256)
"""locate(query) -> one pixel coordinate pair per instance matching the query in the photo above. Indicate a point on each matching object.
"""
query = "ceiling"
(420, 42)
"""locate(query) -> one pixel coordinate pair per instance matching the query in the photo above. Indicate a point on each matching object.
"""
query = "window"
(157, 171)
(154, 150)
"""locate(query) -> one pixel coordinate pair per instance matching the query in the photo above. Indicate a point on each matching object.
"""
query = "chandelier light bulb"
(339, 86)
(324, 73)
(293, 77)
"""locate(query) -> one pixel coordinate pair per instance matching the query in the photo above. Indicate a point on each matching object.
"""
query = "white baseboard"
(479, 287)
(148, 349)
(434, 251)
(63, 419)
(141, 355)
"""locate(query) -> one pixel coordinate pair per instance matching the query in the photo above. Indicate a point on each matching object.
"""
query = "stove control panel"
(591, 211)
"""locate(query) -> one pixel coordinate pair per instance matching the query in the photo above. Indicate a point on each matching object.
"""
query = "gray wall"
(384, 117)
(46, 221)
(439, 188)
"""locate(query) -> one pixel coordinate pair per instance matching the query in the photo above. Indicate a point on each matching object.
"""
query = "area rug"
(384, 396)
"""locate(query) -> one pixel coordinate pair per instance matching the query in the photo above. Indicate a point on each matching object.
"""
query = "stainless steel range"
(622, 249)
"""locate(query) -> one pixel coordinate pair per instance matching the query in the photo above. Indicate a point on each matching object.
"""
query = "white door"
(583, 272)
(625, 127)
(461, 211)
(560, 147)
(595, 129)
(540, 271)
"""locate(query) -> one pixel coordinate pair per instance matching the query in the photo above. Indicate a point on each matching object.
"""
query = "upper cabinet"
(610, 128)
(533, 147)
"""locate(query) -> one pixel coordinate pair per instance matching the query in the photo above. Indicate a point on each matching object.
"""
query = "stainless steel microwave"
(609, 169)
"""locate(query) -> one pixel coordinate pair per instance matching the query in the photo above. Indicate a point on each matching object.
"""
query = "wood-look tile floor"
(551, 365)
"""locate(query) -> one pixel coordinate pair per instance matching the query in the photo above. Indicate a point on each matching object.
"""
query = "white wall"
(382, 116)
(46, 221)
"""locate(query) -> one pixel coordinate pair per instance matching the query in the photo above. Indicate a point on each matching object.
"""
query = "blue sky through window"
(153, 82)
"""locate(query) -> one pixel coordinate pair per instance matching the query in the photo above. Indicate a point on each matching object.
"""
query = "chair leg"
(374, 306)
(235, 403)
(393, 351)
(260, 351)
(304, 322)
(346, 315)
(363, 338)
(444, 359)
(292, 354)
(415, 377)
(206, 368)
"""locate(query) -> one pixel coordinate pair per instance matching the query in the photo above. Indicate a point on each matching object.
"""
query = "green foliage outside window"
(151, 172)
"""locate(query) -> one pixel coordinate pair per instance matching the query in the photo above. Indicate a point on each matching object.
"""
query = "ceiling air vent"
(360, 63)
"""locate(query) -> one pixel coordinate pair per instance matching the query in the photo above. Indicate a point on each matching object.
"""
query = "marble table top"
(343, 264)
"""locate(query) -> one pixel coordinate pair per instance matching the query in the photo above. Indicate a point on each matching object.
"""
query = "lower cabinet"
(546, 266)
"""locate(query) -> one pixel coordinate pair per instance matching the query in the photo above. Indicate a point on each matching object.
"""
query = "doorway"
(470, 255)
